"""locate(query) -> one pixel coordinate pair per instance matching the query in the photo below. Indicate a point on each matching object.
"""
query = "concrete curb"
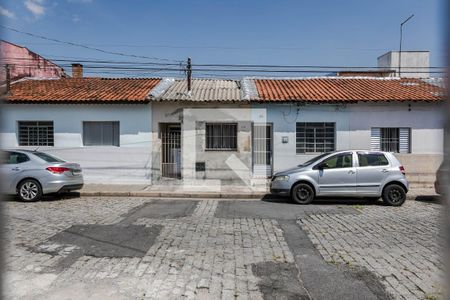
(175, 195)
(201, 195)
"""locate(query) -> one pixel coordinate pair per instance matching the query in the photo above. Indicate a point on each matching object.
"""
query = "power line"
(84, 46)
(216, 65)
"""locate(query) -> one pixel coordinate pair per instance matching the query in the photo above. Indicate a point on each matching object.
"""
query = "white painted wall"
(414, 64)
(129, 163)
(353, 124)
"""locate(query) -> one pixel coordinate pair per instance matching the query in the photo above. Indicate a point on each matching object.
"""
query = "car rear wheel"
(302, 193)
(29, 190)
(394, 195)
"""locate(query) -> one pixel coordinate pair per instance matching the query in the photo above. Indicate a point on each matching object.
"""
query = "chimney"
(77, 71)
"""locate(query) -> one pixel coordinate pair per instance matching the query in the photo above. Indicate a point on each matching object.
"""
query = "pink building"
(24, 63)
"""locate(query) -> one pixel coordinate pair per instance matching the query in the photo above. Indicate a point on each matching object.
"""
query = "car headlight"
(281, 178)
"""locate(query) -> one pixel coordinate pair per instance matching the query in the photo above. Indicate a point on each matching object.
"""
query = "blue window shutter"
(405, 134)
(375, 138)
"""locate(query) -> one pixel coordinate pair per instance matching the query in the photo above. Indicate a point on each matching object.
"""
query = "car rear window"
(48, 157)
(13, 158)
(372, 159)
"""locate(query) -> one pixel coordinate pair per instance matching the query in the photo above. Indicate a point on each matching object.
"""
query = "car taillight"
(402, 169)
(57, 170)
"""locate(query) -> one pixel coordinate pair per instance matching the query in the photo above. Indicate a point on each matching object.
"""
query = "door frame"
(267, 124)
(164, 129)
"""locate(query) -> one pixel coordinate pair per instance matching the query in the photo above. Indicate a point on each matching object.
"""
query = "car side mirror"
(319, 167)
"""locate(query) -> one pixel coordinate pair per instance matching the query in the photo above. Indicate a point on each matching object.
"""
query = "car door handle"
(384, 171)
(15, 169)
(351, 172)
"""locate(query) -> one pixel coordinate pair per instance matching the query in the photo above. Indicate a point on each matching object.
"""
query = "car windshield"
(313, 160)
(48, 158)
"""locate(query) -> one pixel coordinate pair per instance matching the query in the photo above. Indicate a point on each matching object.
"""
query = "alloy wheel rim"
(29, 191)
(395, 195)
(303, 194)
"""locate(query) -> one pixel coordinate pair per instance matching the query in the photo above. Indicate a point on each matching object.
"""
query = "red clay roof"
(348, 89)
(87, 89)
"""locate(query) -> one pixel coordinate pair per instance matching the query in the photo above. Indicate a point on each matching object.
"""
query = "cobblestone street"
(122, 248)
(402, 245)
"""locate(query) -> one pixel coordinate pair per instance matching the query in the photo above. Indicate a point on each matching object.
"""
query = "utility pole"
(400, 51)
(189, 74)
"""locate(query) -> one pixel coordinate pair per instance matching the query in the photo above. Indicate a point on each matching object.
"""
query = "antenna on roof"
(189, 74)
(400, 50)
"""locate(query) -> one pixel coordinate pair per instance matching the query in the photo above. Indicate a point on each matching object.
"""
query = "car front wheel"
(302, 193)
(394, 195)
(29, 190)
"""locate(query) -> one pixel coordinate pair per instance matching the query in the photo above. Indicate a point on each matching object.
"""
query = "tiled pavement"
(199, 255)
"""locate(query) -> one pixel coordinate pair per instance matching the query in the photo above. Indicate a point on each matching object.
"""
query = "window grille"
(221, 136)
(391, 139)
(315, 137)
(36, 133)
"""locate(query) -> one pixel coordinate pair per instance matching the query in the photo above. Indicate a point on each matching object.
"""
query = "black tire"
(302, 193)
(29, 190)
(394, 195)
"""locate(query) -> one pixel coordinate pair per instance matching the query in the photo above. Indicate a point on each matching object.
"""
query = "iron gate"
(262, 150)
(171, 151)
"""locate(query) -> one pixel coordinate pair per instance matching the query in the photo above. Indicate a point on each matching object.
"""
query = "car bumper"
(281, 188)
(65, 185)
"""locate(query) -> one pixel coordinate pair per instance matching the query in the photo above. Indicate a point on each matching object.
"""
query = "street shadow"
(60, 196)
(436, 199)
(324, 201)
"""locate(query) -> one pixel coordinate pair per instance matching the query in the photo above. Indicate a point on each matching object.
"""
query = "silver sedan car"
(31, 174)
(351, 173)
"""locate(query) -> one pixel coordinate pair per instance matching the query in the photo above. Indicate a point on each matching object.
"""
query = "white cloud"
(36, 7)
(6, 13)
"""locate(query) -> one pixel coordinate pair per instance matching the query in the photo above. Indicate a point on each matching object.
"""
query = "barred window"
(36, 133)
(221, 136)
(391, 139)
(101, 134)
(315, 137)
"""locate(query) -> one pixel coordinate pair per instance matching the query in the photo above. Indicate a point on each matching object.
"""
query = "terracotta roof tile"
(87, 89)
(348, 89)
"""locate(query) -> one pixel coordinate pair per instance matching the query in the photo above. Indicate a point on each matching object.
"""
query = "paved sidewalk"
(187, 191)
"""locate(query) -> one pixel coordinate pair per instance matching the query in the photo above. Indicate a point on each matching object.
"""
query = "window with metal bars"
(389, 139)
(315, 137)
(221, 136)
(36, 133)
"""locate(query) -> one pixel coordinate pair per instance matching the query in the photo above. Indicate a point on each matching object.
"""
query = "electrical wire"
(84, 46)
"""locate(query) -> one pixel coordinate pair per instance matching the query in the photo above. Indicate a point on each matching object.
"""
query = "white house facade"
(149, 131)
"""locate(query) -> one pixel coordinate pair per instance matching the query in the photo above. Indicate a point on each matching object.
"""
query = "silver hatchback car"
(351, 173)
(31, 174)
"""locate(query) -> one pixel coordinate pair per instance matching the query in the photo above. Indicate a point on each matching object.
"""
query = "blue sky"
(328, 32)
